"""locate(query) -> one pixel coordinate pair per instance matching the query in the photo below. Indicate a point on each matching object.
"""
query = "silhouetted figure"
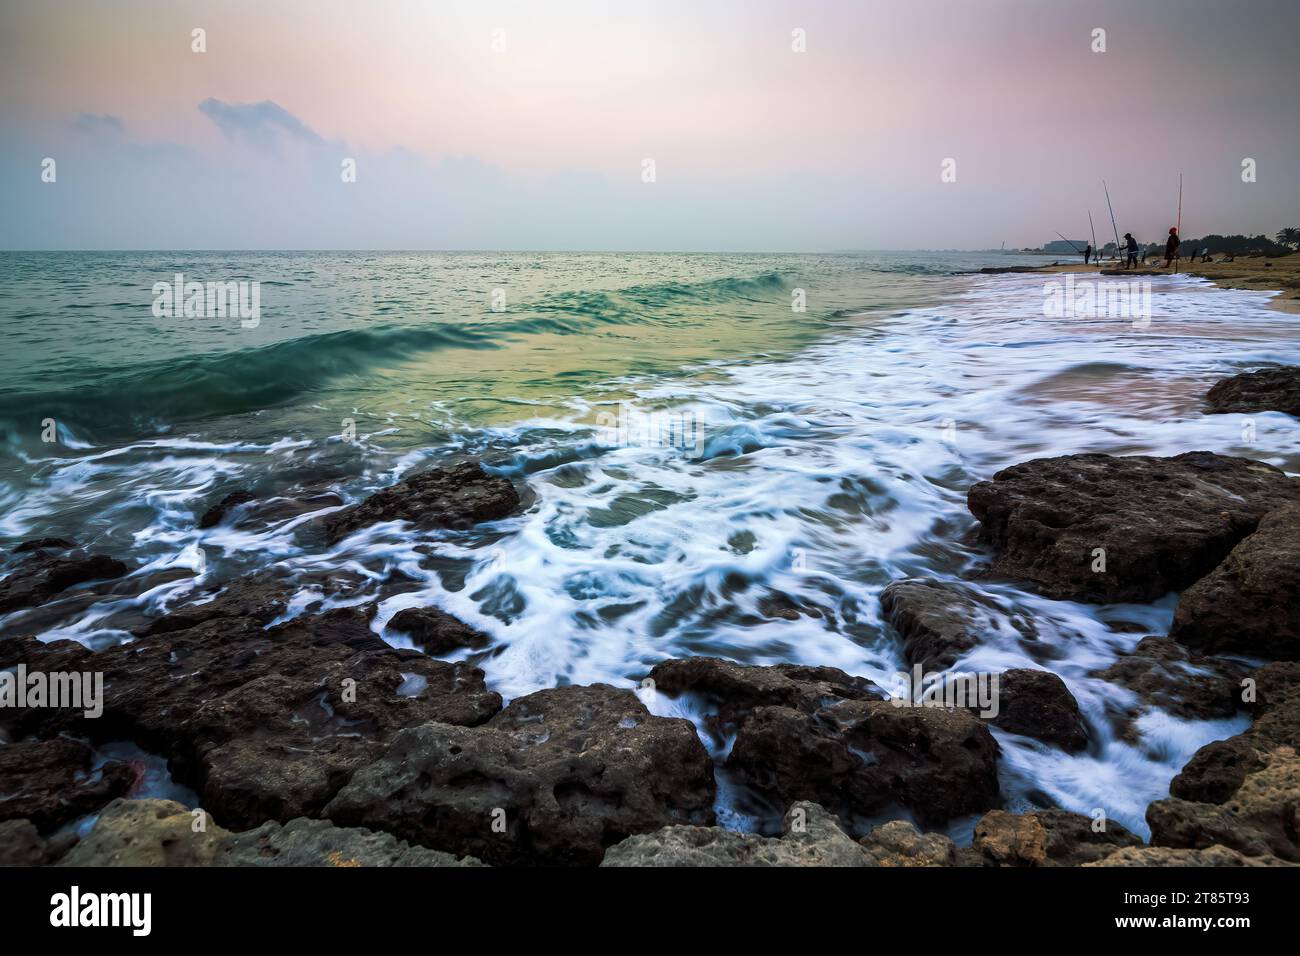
(1087, 253)
(1131, 246)
(1171, 246)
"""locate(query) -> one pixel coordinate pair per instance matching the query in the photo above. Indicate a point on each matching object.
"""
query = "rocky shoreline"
(313, 741)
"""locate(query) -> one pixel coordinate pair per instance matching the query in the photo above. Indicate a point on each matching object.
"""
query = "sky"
(528, 125)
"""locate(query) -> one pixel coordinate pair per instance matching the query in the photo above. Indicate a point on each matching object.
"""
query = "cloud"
(95, 123)
(261, 125)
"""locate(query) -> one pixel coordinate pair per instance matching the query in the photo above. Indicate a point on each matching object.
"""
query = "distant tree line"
(1283, 244)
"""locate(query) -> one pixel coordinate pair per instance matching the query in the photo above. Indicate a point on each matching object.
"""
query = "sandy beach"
(1258, 273)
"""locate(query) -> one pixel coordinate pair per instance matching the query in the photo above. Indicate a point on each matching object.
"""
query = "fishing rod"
(1179, 225)
(1072, 245)
(1112, 216)
(1093, 230)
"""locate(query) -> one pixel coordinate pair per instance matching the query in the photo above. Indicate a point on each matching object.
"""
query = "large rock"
(810, 837)
(53, 782)
(43, 576)
(147, 833)
(859, 756)
(164, 833)
(304, 842)
(1249, 604)
(1218, 769)
(1038, 704)
(1043, 838)
(732, 691)
(265, 723)
(1261, 819)
(938, 621)
(1167, 856)
(1265, 390)
(436, 632)
(900, 843)
(1162, 523)
(554, 779)
(21, 844)
(450, 496)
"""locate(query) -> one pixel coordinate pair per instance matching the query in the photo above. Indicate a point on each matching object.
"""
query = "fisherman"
(1171, 246)
(1087, 253)
(1132, 246)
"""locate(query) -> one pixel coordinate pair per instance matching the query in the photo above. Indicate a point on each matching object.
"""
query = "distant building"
(1059, 245)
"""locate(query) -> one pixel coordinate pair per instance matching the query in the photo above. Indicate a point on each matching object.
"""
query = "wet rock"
(735, 690)
(1265, 390)
(42, 576)
(938, 622)
(1163, 523)
(810, 837)
(304, 842)
(900, 843)
(256, 599)
(264, 723)
(213, 516)
(44, 544)
(1165, 675)
(564, 772)
(777, 604)
(53, 782)
(1218, 769)
(449, 496)
(147, 833)
(1038, 704)
(1261, 819)
(858, 756)
(1167, 856)
(1043, 838)
(436, 632)
(1248, 604)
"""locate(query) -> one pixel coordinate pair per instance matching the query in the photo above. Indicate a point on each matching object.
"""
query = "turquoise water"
(811, 457)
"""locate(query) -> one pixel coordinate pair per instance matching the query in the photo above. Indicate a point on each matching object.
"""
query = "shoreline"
(1248, 273)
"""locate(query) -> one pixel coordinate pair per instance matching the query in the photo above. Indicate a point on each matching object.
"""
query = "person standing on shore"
(1131, 246)
(1171, 246)
(1087, 253)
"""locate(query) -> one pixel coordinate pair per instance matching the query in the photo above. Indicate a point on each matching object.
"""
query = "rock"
(810, 837)
(264, 723)
(1163, 523)
(1265, 390)
(1218, 769)
(1261, 819)
(163, 833)
(568, 771)
(938, 622)
(858, 756)
(45, 544)
(735, 690)
(1164, 675)
(1248, 604)
(1167, 856)
(900, 843)
(146, 833)
(1043, 838)
(448, 496)
(53, 782)
(1038, 704)
(215, 513)
(436, 632)
(42, 576)
(304, 842)
(259, 598)
(21, 844)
